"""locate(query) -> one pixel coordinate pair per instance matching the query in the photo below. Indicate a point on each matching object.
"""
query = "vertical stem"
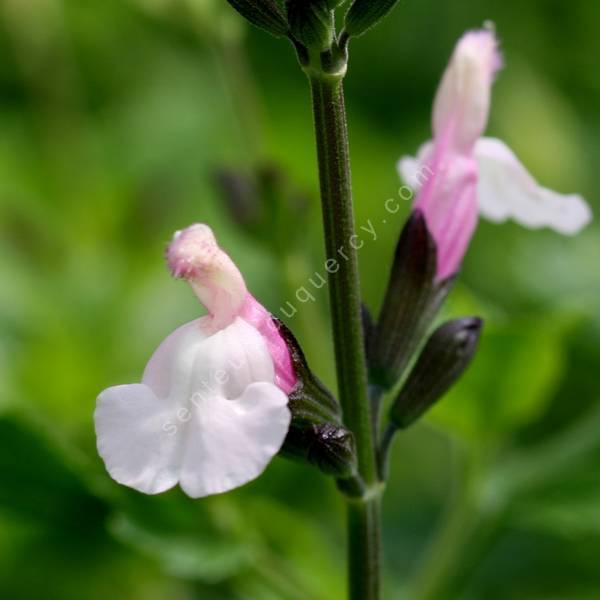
(345, 302)
(344, 292)
(364, 543)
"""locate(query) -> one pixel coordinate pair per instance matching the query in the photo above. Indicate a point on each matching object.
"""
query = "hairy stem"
(342, 265)
(364, 542)
(345, 302)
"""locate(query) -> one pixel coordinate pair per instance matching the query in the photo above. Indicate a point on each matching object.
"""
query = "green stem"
(345, 303)
(364, 542)
(342, 262)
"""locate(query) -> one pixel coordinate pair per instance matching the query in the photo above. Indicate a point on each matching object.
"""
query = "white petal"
(207, 416)
(161, 367)
(242, 353)
(230, 442)
(412, 169)
(136, 439)
(506, 190)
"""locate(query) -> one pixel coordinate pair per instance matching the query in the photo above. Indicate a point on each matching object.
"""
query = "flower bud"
(311, 23)
(444, 359)
(328, 447)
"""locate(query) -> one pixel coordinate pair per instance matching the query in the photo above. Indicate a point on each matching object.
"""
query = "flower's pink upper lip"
(195, 255)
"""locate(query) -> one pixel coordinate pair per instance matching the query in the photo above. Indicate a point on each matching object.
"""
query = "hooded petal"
(445, 170)
(194, 255)
(462, 102)
(506, 190)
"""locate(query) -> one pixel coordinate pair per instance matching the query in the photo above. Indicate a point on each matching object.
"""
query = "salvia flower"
(211, 410)
(460, 174)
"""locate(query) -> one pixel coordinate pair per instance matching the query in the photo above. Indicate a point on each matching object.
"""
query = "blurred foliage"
(116, 117)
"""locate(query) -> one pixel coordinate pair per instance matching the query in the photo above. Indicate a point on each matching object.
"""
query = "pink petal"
(258, 316)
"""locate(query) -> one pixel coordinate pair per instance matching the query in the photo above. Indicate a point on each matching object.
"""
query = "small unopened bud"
(311, 23)
(333, 450)
(445, 357)
(327, 446)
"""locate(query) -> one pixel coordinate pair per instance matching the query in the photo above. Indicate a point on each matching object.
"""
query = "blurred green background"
(116, 116)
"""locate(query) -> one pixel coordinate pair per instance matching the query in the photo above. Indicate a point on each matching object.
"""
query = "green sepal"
(310, 397)
(364, 14)
(412, 301)
(265, 14)
(316, 433)
(311, 23)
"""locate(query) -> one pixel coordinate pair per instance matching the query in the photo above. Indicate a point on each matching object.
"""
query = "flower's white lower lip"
(207, 414)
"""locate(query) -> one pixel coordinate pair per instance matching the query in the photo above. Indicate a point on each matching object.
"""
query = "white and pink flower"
(460, 174)
(211, 410)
